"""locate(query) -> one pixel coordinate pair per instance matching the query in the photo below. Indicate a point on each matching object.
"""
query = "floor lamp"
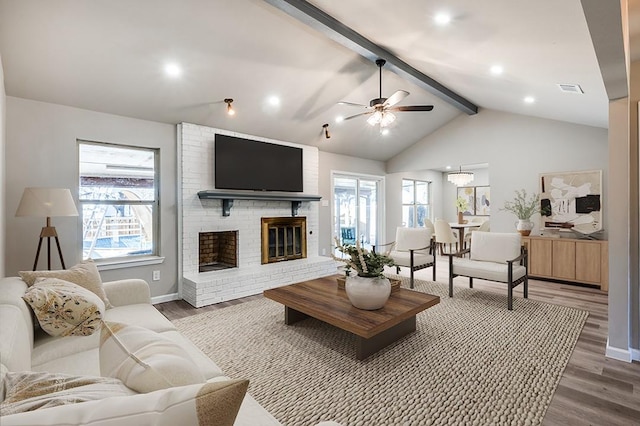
(47, 202)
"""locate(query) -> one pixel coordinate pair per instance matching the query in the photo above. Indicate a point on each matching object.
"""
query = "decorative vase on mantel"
(460, 218)
(367, 293)
(524, 227)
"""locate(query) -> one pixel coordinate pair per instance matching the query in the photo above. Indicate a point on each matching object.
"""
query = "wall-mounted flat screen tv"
(259, 166)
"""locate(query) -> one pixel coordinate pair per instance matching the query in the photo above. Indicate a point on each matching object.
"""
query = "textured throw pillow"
(209, 404)
(143, 359)
(85, 274)
(31, 390)
(63, 308)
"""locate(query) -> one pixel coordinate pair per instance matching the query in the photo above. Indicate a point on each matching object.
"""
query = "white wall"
(517, 148)
(41, 150)
(3, 126)
(329, 162)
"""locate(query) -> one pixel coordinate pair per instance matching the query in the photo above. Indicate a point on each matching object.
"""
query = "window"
(118, 195)
(416, 203)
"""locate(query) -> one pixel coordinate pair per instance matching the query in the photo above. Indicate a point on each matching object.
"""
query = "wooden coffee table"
(322, 299)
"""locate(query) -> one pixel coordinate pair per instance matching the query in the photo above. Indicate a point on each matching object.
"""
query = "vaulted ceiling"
(109, 56)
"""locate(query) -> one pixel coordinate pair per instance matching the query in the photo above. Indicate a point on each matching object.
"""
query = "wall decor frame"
(469, 194)
(483, 201)
(572, 201)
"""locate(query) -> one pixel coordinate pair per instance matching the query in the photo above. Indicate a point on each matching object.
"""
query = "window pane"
(407, 216)
(422, 192)
(116, 230)
(115, 173)
(407, 192)
(118, 195)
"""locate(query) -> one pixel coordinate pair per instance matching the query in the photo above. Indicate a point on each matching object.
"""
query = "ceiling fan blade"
(395, 98)
(352, 104)
(412, 108)
(357, 115)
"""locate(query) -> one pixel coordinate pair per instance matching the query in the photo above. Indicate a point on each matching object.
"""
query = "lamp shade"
(46, 202)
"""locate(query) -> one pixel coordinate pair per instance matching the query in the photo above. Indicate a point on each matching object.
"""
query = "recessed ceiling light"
(497, 70)
(173, 70)
(529, 100)
(339, 119)
(442, 18)
(384, 132)
(448, 167)
(274, 100)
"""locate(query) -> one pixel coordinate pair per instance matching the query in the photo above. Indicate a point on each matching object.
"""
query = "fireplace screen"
(283, 238)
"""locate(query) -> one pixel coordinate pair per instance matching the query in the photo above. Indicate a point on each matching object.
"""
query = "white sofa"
(23, 349)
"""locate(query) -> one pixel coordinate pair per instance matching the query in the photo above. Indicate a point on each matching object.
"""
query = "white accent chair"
(429, 225)
(445, 235)
(414, 249)
(494, 256)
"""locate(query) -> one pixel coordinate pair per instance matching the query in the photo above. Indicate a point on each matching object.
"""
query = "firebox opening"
(283, 238)
(218, 250)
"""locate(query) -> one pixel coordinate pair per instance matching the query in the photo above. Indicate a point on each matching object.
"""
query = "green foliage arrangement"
(365, 262)
(523, 205)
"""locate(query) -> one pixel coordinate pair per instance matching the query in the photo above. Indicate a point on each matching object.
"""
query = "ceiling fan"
(382, 109)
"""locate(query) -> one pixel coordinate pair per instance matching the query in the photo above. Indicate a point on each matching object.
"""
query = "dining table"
(461, 227)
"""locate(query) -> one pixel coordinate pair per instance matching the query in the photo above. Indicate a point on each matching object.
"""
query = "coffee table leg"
(366, 347)
(291, 316)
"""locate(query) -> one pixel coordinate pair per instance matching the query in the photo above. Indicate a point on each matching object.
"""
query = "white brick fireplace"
(195, 150)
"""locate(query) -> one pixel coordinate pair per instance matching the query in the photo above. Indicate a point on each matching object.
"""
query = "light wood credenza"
(567, 259)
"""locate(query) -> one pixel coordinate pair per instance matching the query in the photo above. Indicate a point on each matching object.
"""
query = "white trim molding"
(635, 354)
(618, 353)
(165, 298)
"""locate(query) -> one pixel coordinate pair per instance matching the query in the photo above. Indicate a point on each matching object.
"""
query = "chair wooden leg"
(526, 287)
(411, 279)
(450, 276)
(434, 270)
(470, 282)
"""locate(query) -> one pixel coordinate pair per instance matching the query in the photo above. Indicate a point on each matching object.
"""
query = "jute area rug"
(470, 362)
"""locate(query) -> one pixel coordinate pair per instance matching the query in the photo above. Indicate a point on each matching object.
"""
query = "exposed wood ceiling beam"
(337, 31)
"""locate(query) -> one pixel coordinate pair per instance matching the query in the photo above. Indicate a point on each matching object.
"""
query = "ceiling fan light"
(375, 118)
(387, 118)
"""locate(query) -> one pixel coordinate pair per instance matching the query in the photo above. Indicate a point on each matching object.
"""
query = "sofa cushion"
(143, 359)
(495, 246)
(491, 271)
(140, 314)
(30, 390)
(64, 308)
(85, 274)
(15, 341)
(209, 404)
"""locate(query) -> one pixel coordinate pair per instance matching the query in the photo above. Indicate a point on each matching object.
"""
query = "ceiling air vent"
(570, 88)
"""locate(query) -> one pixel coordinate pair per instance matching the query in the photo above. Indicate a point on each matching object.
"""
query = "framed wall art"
(572, 201)
(483, 201)
(468, 194)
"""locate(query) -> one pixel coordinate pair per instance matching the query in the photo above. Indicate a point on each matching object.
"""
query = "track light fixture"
(230, 109)
(325, 126)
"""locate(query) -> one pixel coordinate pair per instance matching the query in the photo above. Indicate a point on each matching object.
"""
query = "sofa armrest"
(127, 292)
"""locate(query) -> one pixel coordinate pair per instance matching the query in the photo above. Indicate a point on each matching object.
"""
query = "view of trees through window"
(118, 194)
(415, 202)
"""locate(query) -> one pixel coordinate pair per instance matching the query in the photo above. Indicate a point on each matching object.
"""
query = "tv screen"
(260, 166)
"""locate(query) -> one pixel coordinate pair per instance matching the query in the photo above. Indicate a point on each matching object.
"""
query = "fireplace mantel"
(227, 198)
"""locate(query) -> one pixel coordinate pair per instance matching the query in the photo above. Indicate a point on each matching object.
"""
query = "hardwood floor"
(594, 390)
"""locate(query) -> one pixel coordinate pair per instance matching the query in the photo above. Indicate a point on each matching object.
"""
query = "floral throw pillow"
(64, 308)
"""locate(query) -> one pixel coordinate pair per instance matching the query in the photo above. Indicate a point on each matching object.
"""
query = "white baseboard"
(635, 354)
(165, 298)
(617, 353)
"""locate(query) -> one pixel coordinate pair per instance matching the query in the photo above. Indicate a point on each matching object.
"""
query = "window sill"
(108, 264)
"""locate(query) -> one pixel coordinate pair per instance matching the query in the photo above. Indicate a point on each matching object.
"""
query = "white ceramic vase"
(524, 226)
(367, 293)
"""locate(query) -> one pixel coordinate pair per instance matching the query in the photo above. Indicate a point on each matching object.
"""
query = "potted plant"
(524, 206)
(461, 205)
(369, 289)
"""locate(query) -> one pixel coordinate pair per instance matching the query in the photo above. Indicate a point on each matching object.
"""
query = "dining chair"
(429, 225)
(445, 235)
(484, 227)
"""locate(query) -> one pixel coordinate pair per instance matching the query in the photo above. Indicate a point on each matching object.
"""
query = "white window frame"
(129, 260)
(416, 204)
